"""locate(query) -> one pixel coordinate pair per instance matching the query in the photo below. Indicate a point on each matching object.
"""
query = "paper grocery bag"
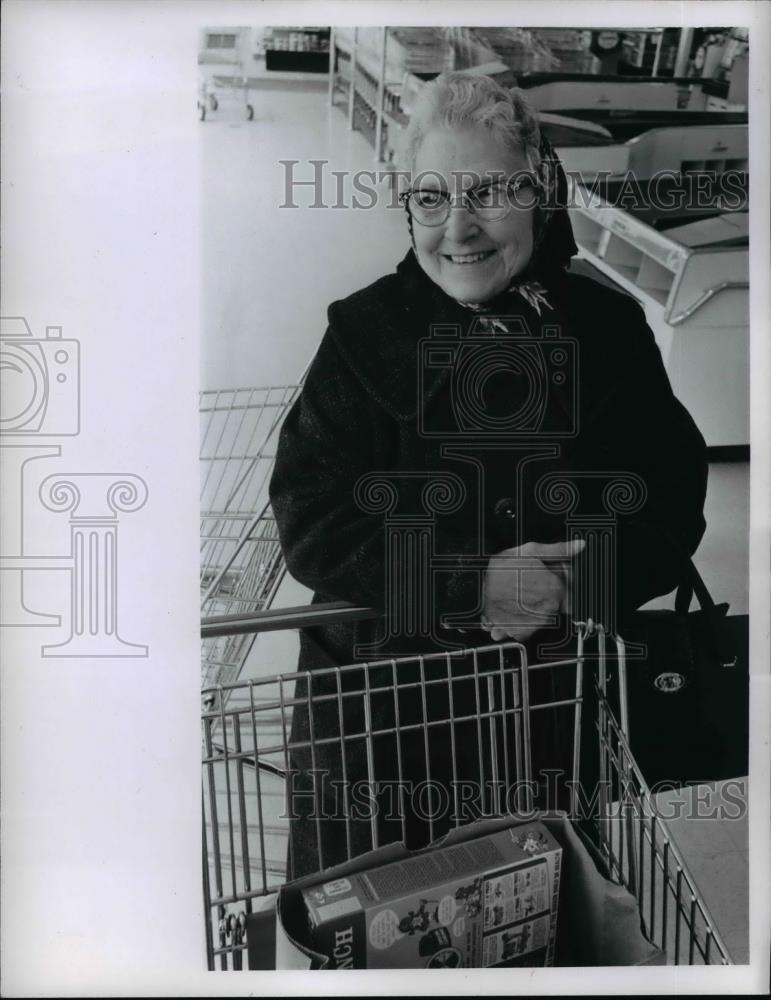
(598, 922)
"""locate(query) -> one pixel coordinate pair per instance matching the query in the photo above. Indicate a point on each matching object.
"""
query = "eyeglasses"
(489, 202)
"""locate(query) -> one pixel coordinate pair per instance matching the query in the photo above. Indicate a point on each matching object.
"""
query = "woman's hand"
(526, 586)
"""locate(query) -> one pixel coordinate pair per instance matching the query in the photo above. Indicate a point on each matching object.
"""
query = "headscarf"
(553, 242)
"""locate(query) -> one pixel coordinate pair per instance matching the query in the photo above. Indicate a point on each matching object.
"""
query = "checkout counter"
(669, 224)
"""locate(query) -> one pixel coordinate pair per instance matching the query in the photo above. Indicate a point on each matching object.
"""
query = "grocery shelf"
(372, 67)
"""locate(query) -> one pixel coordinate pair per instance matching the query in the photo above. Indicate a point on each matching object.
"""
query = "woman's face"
(455, 159)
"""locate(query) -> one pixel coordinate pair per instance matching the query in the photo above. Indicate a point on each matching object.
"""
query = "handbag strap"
(694, 584)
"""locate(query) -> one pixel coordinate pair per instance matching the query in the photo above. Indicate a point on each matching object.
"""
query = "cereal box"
(485, 902)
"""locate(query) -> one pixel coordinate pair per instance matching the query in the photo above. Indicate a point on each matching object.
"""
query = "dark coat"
(371, 405)
(358, 413)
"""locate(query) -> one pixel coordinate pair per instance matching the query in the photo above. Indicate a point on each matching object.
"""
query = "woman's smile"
(478, 257)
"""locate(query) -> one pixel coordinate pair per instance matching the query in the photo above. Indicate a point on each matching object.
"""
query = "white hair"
(453, 99)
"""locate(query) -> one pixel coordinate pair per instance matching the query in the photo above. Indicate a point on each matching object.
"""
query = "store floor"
(271, 271)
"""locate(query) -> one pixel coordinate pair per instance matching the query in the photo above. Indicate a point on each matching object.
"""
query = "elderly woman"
(463, 398)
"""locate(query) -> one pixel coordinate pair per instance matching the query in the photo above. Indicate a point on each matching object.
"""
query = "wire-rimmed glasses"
(489, 201)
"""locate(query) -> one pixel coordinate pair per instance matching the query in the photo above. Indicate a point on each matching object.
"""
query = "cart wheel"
(201, 112)
(213, 102)
(249, 113)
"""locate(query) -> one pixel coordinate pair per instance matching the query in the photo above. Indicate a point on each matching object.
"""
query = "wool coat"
(478, 432)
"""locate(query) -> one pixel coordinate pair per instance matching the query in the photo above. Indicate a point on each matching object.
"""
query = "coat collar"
(382, 332)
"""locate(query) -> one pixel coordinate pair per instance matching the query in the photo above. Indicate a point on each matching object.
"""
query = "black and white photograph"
(506, 429)
(435, 341)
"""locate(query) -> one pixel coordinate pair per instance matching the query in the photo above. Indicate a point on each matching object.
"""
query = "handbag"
(688, 693)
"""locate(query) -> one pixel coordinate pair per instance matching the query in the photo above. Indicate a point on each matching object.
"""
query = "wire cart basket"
(241, 561)
(226, 92)
(488, 700)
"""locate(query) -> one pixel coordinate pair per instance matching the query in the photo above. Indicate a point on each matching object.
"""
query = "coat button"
(505, 508)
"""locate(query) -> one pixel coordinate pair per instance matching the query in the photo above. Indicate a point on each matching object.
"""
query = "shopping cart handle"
(275, 619)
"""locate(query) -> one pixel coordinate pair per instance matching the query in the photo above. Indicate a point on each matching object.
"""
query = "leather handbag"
(688, 688)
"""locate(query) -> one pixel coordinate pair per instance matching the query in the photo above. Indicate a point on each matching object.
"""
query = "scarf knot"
(532, 292)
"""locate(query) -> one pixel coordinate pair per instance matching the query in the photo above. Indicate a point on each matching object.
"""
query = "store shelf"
(358, 61)
(411, 50)
(297, 39)
(302, 50)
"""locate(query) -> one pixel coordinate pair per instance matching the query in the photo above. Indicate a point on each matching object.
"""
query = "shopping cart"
(489, 700)
(225, 92)
(241, 562)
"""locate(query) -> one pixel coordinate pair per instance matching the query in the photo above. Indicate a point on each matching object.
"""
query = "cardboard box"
(599, 921)
(491, 901)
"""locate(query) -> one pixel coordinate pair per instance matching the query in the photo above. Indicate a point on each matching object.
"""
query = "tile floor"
(711, 830)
